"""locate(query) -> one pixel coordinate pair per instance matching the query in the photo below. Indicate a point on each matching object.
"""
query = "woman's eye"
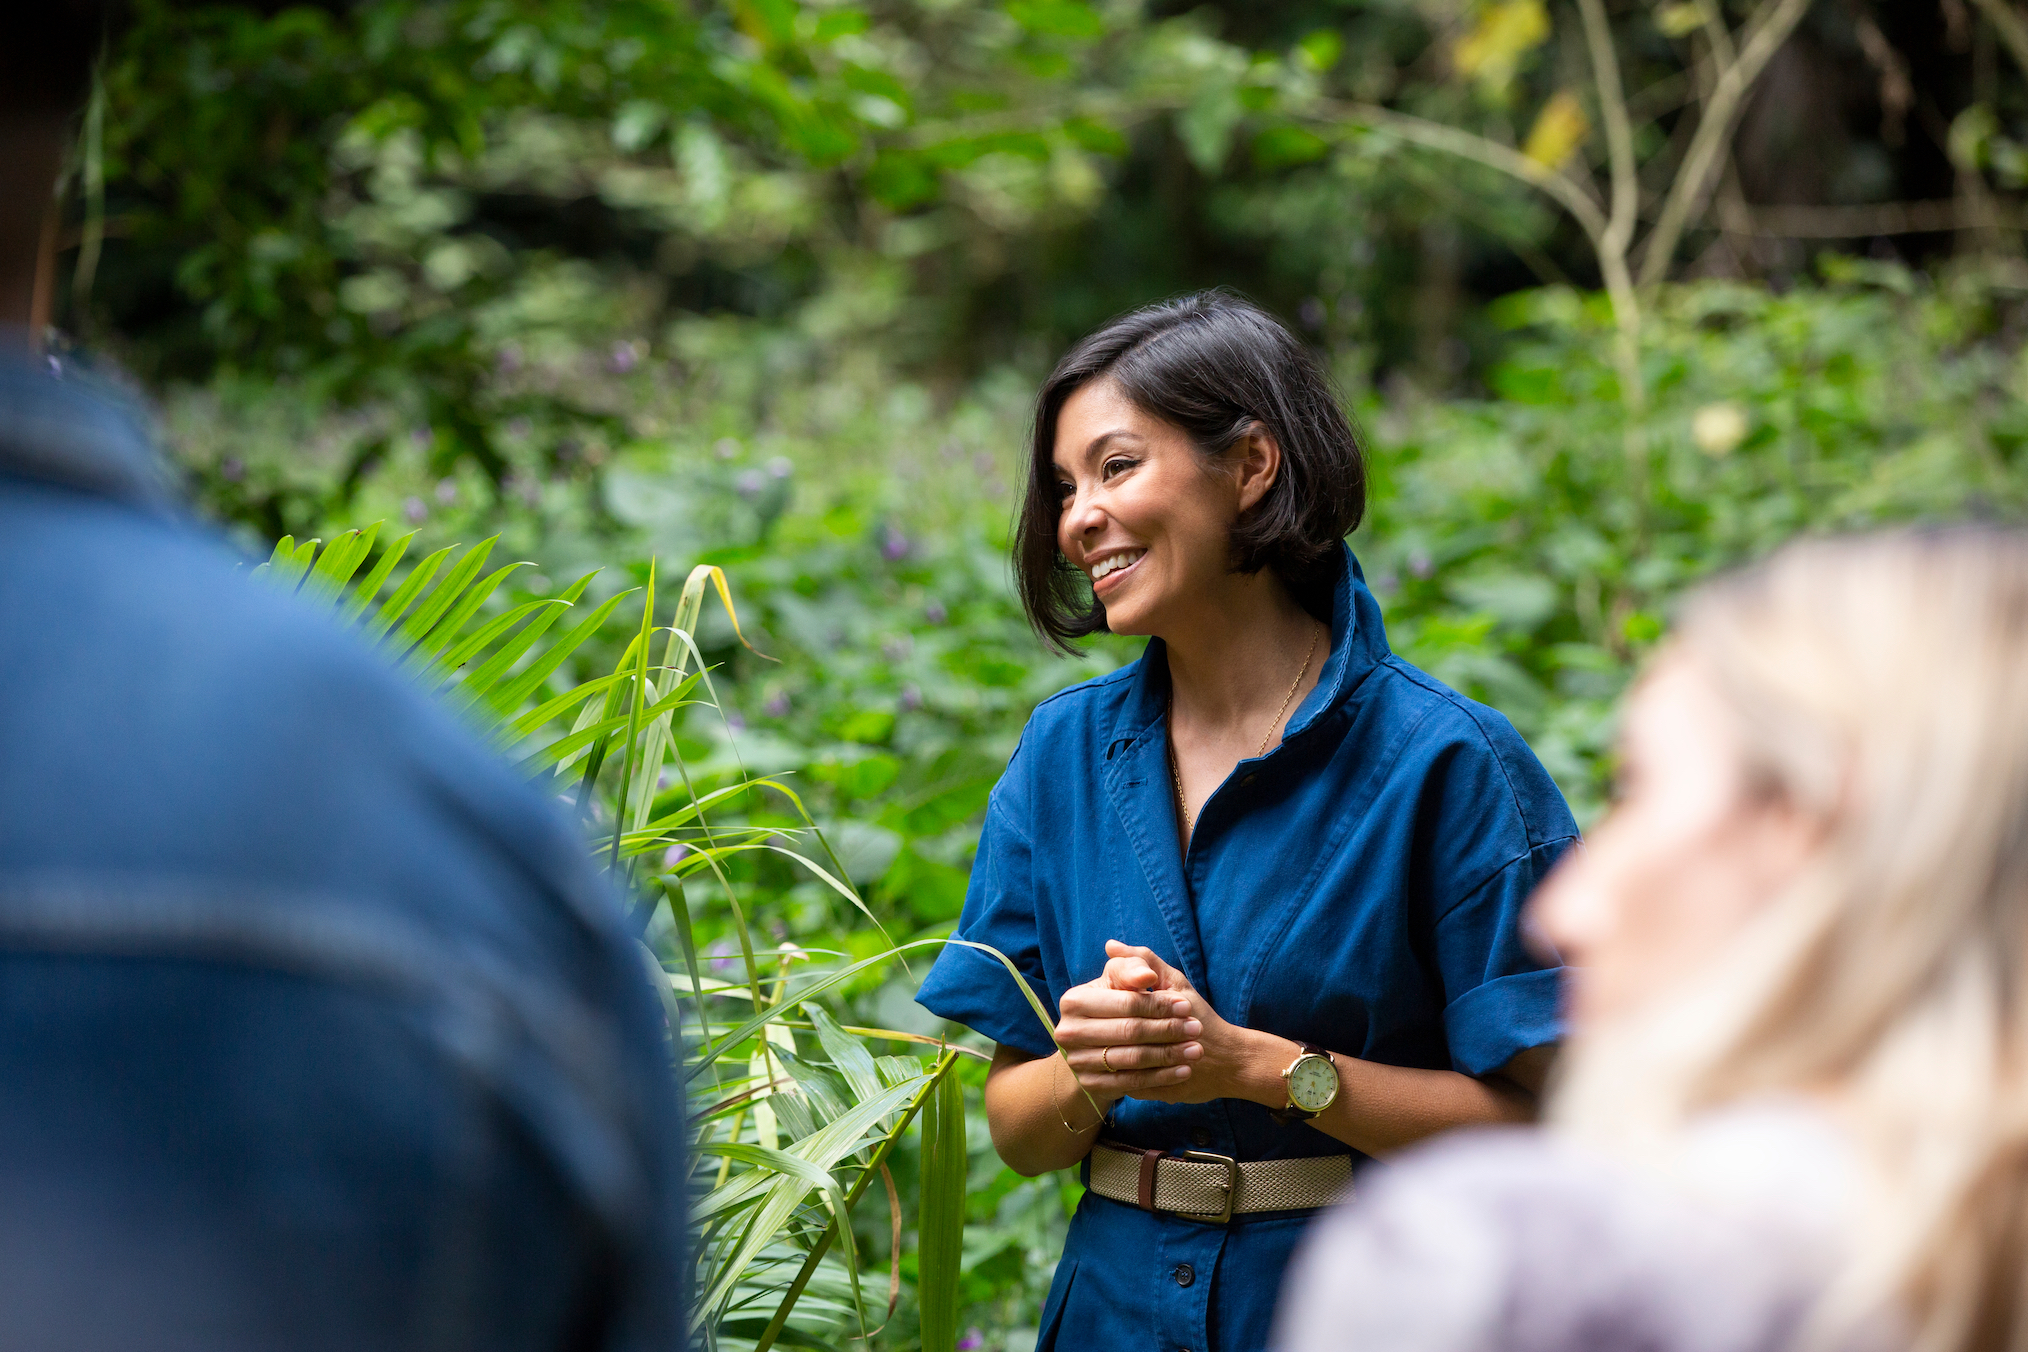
(1117, 465)
(1066, 489)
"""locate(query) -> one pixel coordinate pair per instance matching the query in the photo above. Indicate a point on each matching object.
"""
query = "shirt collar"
(59, 426)
(1358, 645)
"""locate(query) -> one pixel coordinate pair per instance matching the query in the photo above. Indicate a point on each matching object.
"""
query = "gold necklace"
(1176, 770)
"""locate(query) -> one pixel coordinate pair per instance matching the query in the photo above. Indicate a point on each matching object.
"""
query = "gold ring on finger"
(1105, 1059)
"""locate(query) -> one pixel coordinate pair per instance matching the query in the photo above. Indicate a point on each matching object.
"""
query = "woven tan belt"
(1201, 1186)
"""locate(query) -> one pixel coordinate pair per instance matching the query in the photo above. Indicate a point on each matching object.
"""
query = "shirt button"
(1185, 1274)
(1200, 1138)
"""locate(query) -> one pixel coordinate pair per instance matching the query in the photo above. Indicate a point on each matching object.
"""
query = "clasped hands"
(1140, 1030)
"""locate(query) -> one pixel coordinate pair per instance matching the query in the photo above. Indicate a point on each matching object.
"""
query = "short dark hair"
(46, 62)
(1215, 365)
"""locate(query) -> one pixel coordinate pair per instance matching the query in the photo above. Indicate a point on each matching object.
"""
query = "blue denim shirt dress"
(1360, 886)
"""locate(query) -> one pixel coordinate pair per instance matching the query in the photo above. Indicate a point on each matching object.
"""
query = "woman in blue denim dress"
(1270, 875)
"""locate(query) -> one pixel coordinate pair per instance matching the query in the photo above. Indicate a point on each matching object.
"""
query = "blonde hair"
(1880, 685)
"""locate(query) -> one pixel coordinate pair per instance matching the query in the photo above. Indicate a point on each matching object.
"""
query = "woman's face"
(1146, 517)
(1688, 855)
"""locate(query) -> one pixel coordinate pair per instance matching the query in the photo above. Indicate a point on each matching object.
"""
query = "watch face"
(1313, 1083)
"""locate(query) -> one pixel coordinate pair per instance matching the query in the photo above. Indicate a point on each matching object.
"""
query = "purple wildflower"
(624, 358)
(750, 483)
(232, 469)
(777, 705)
(447, 491)
(935, 612)
(781, 467)
(673, 856)
(894, 546)
(421, 438)
(726, 448)
(1421, 564)
(911, 699)
(416, 510)
(972, 1340)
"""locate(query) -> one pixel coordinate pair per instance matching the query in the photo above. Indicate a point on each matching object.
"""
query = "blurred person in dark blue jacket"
(317, 1028)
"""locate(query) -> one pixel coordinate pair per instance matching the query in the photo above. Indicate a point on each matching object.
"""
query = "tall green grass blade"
(847, 1053)
(618, 699)
(941, 1222)
(773, 1332)
(643, 692)
(593, 733)
(686, 943)
(824, 1147)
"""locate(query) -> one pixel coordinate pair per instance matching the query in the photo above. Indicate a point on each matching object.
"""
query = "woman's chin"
(1127, 620)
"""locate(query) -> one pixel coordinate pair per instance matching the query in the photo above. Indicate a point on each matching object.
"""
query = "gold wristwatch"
(1312, 1080)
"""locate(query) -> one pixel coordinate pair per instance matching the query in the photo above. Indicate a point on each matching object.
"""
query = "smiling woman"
(1269, 874)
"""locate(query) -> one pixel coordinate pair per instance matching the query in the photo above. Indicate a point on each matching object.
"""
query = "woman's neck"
(1240, 650)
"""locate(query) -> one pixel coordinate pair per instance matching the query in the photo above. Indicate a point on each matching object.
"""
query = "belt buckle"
(1231, 1187)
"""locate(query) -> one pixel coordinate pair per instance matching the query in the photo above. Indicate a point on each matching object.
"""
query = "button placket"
(1187, 1250)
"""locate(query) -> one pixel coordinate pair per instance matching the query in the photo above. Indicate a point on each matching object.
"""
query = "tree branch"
(1572, 197)
(1716, 33)
(1770, 29)
(2011, 29)
(1605, 64)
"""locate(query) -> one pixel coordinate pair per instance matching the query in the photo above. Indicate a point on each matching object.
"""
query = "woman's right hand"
(1122, 1042)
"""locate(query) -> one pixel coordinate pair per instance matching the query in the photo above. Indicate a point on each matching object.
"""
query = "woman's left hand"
(1232, 1054)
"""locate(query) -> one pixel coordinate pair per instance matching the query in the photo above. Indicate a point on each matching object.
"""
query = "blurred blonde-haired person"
(1794, 1109)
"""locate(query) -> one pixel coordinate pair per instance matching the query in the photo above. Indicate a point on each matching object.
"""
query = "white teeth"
(1108, 566)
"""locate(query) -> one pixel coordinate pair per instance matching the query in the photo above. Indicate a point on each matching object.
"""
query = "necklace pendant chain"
(1301, 672)
(1175, 766)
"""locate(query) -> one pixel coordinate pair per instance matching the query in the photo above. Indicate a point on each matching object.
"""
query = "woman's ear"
(1256, 464)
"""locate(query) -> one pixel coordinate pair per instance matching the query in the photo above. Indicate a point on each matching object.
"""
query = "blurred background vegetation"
(1621, 291)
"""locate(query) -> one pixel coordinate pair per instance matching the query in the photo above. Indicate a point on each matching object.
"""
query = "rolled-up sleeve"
(972, 987)
(1499, 998)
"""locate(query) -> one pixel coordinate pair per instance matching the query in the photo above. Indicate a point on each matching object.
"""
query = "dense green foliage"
(1518, 552)
(629, 286)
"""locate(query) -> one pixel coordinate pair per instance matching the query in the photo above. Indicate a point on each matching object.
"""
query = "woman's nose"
(1083, 517)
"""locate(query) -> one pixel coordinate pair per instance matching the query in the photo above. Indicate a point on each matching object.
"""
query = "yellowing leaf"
(1506, 31)
(1560, 128)
(1678, 19)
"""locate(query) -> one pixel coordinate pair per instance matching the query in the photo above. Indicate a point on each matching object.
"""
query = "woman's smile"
(1109, 573)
